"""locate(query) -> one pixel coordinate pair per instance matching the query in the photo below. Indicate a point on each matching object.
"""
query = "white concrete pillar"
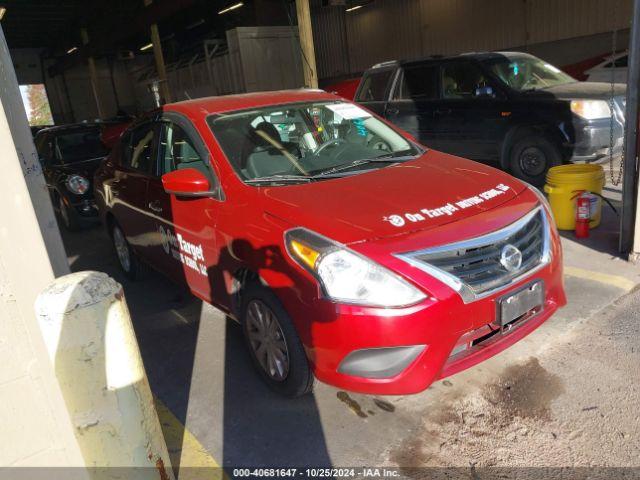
(91, 342)
(35, 427)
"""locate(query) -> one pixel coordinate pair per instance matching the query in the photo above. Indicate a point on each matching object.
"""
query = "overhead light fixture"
(146, 47)
(3, 10)
(195, 24)
(351, 9)
(232, 7)
(72, 49)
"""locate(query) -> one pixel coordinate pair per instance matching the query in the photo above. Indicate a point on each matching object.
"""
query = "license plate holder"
(516, 304)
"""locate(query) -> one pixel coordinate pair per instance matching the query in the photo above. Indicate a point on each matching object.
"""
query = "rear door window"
(419, 82)
(460, 80)
(140, 149)
(374, 86)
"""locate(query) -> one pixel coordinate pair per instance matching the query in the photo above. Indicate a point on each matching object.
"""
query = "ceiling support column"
(306, 44)
(630, 220)
(93, 74)
(160, 66)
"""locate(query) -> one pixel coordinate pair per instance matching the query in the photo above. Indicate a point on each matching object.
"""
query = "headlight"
(346, 276)
(542, 198)
(591, 109)
(77, 184)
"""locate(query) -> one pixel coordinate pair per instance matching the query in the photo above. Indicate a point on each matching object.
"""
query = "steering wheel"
(328, 143)
(378, 143)
(531, 82)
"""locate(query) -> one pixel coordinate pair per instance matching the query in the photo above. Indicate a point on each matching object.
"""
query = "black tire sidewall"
(551, 151)
(300, 379)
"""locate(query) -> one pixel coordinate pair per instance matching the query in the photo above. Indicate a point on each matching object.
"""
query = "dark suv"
(509, 108)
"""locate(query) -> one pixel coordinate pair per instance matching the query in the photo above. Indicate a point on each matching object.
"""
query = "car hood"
(430, 191)
(594, 90)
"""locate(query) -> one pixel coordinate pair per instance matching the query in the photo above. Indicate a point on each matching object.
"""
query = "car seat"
(266, 159)
(450, 87)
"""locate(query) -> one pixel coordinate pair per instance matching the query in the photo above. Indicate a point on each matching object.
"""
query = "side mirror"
(187, 183)
(485, 91)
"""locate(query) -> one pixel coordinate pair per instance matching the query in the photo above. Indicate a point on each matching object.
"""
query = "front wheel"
(531, 157)
(274, 345)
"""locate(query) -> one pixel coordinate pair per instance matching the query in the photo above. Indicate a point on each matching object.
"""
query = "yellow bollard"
(90, 339)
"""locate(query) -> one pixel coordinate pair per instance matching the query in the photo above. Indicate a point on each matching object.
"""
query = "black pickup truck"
(508, 108)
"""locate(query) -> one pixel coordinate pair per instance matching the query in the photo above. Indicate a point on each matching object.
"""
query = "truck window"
(621, 62)
(460, 80)
(419, 82)
(374, 86)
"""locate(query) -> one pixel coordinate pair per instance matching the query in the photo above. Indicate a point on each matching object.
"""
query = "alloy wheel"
(122, 249)
(267, 340)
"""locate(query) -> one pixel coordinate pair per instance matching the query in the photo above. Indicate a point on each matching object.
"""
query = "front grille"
(474, 267)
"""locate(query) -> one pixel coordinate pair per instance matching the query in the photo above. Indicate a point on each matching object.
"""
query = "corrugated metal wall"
(350, 42)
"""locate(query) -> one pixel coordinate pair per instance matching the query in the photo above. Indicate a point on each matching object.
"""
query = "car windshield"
(78, 145)
(526, 72)
(304, 142)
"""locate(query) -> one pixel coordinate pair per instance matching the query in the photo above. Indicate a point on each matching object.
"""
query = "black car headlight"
(77, 184)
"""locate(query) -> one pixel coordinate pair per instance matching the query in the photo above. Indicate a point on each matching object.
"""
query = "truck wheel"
(276, 349)
(126, 257)
(531, 157)
(68, 216)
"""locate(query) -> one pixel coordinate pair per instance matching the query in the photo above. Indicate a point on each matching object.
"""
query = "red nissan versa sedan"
(345, 250)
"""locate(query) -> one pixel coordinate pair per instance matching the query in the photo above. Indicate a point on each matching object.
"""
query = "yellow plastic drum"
(564, 183)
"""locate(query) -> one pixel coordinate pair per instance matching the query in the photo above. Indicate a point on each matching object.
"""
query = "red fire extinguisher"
(583, 215)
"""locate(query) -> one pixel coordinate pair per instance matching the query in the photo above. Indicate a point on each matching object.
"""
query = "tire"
(68, 217)
(531, 156)
(289, 373)
(127, 259)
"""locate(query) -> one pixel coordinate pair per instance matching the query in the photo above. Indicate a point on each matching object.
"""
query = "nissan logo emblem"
(511, 258)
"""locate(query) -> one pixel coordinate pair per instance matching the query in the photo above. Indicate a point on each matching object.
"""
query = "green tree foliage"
(40, 113)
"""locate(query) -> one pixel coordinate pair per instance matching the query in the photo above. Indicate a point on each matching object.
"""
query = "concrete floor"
(567, 395)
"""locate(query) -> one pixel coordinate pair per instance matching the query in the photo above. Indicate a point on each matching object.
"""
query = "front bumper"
(434, 325)
(84, 206)
(438, 337)
(592, 139)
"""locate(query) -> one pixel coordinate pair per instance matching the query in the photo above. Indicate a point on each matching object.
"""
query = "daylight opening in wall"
(36, 104)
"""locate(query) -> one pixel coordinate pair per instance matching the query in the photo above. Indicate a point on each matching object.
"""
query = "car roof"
(245, 101)
(439, 58)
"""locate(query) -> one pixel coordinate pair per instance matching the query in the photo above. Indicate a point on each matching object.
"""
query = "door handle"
(155, 207)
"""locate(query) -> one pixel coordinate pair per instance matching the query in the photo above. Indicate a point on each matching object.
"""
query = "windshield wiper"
(381, 159)
(279, 178)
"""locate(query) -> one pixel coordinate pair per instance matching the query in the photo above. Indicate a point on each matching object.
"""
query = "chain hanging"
(615, 179)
